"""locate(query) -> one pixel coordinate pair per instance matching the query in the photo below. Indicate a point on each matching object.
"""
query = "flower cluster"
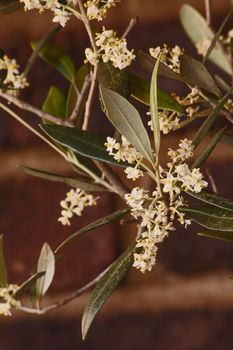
(7, 299)
(74, 204)
(97, 9)
(125, 152)
(171, 120)
(61, 14)
(156, 213)
(110, 49)
(168, 56)
(13, 80)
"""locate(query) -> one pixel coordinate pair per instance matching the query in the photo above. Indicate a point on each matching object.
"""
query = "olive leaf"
(213, 199)
(46, 264)
(198, 30)
(221, 235)
(126, 120)
(154, 107)
(55, 102)
(105, 288)
(210, 217)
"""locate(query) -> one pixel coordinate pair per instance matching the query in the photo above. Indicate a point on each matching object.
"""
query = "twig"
(80, 99)
(87, 25)
(38, 48)
(90, 98)
(130, 26)
(208, 8)
(64, 301)
(27, 107)
(118, 186)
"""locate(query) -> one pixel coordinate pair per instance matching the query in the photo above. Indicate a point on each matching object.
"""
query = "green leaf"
(211, 217)
(197, 29)
(154, 107)
(29, 283)
(114, 79)
(43, 41)
(209, 149)
(70, 181)
(105, 288)
(83, 142)
(147, 62)
(94, 225)
(224, 236)
(55, 102)
(213, 198)
(126, 120)
(46, 264)
(205, 127)
(3, 272)
(55, 56)
(8, 6)
(140, 90)
(196, 74)
(80, 76)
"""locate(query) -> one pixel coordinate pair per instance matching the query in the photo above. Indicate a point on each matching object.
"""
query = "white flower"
(74, 204)
(133, 173)
(98, 11)
(111, 49)
(13, 80)
(7, 299)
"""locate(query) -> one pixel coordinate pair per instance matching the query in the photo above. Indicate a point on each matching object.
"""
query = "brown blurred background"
(186, 302)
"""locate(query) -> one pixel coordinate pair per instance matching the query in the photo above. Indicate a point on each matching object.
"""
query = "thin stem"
(64, 301)
(80, 99)
(29, 127)
(130, 26)
(208, 11)
(117, 185)
(90, 98)
(28, 107)
(87, 24)
(45, 39)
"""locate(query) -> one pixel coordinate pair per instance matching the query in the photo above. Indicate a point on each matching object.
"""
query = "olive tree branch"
(80, 99)
(28, 107)
(89, 103)
(64, 301)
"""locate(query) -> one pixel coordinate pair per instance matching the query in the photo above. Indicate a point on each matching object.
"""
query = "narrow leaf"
(205, 127)
(94, 225)
(140, 90)
(221, 235)
(209, 149)
(55, 56)
(213, 199)
(83, 142)
(55, 102)
(3, 272)
(105, 288)
(83, 184)
(211, 217)
(154, 107)
(197, 30)
(196, 74)
(29, 283)
(126, 120)
(46, 264)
